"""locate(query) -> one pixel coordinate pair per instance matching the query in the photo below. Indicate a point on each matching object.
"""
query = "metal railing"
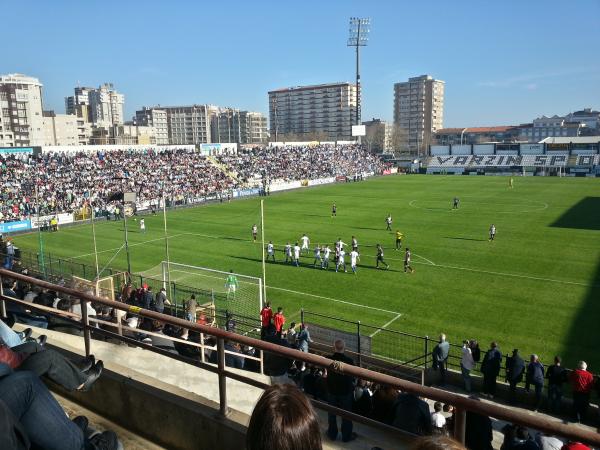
(461, 403)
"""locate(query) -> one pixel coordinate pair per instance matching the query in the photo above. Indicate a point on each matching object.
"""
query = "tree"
(399, 140)
(375, 138)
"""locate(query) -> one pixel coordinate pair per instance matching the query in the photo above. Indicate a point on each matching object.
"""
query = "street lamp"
(359, 36)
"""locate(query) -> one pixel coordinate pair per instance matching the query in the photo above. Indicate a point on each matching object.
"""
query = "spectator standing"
(535, 376)
(490, 367)
(515, 367)
(556, 375)
(478, 431)
(581, 382)
(291, 335)
(266, 315)
(467, 363)
(412, 414)
(303, 338)
(190, 314)
(341, 390)
(279, 321)
(10, 254)
(161, 300)
(440, 357)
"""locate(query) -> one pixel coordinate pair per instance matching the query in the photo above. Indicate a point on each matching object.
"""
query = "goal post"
(240, 295)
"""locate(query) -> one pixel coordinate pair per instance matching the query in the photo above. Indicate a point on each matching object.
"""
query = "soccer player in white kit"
(325, 261)
(288, 253)
(318, 256)
(341, 261)
(270, 251)
(354, 258)
(388, 222)
(492, 232)
(254, 232)
(142, 226)
(297, 255)
(305, 242)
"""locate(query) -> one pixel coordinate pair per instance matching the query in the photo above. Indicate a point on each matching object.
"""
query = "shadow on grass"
(581, 342)
(585, 215)
(309, 265)
(464, 238)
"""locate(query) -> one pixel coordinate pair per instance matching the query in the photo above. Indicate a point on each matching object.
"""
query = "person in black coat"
(412, 414)
(515, 366)
(490, 368)
(478, 431)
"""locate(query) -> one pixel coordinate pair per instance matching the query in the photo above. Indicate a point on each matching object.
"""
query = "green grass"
(535, 288)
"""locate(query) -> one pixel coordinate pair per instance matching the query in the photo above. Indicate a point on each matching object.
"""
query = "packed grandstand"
(65, 182)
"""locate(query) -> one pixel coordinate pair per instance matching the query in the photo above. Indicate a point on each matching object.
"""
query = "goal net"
(103, 287)
(232, 294)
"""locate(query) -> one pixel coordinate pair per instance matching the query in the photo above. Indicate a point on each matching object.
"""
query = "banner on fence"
(245, 192)
(327, 336)
(21, 225)
(304, 183)
(320, 181)
(340, 178)
(284, 186)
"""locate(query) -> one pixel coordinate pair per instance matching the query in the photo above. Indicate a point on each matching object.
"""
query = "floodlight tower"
(359, 36)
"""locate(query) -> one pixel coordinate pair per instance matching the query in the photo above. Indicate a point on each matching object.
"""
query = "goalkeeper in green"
(231, 284)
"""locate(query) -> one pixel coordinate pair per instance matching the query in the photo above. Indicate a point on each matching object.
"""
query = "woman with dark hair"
(283, 418)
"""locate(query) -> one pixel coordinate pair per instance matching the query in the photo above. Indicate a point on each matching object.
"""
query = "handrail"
(461, 403)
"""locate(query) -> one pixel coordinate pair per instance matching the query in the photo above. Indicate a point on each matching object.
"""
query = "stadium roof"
(499, 129)
(573, 139)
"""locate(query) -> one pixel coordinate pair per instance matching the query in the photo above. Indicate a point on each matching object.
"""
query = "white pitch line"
(515, 275)
(130, 245)
(335, 300)
(385, 326)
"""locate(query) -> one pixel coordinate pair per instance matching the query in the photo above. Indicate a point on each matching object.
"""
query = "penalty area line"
(335, 300)
(385, 326)
(514, 275)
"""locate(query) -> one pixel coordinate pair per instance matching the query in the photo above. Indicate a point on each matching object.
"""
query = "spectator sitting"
(363, 399)
(478, 430)
(23, 397)
(275, 366)
(283, 418)
(384, 398)
(438, 420)
(548, 442)
(33, 357)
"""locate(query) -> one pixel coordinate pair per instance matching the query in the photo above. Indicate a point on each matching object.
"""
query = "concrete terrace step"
(129, 440)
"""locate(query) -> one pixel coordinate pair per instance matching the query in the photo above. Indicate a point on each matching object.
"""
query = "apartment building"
(21, 112)
(156, 118)
(419, 110)
(106, 106)
(243, 127)
(324, 112)
(60, 129)
(190, 124)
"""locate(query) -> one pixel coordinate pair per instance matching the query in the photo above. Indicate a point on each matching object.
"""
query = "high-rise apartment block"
(156, 118)
(324, 112)
(243, 127)
(21, 114)
(419, 110)
(106, 106)
(189, 124)
(60, 129)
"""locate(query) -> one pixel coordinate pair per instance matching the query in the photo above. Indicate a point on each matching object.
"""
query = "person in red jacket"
(582, 382)
(279, 321)
(266, 315)
(575, 446)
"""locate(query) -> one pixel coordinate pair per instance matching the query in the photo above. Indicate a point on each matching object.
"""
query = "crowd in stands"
(66, 182)
(301, 163)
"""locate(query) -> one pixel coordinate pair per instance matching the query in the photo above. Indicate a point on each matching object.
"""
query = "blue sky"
(503, 62)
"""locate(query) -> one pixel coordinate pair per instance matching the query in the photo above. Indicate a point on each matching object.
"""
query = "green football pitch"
(536, 287)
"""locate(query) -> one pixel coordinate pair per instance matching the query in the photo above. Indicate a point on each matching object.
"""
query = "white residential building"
(190, 124)
(324, 112)
(242, 127)
(419, 110)
(60, 129)
(21, 113)
(156, 118)
(106, 106)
